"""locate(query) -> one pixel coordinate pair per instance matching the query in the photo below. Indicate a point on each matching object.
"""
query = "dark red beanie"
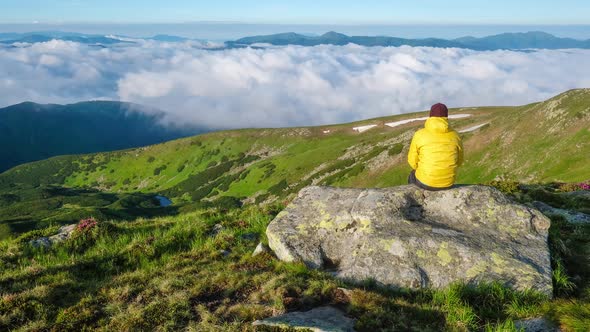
(439, 110)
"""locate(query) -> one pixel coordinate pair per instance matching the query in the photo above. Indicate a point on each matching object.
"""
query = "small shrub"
(553, 199)
(86, 225)
(180, 168)
(86, 233)
(561, 281)
(395, 150)
(261, 198)
(159, 170)
(7, 199)
(507, 187)
(244, 174)
(278, 188)
(568, 187)
(151, 159)
(226, 203)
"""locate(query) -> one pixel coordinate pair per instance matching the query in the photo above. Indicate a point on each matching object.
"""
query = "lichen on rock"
(407, 237)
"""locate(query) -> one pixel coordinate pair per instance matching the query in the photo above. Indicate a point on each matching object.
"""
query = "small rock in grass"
(538, 324)
(342, 295)
(322, 319)
(260, 248)
(63, 234)
(217, 229)
(41, 242)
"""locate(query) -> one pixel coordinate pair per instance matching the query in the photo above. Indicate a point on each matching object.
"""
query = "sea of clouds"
(284, 86)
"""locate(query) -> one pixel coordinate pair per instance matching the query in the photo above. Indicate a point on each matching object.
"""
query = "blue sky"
(298, 11)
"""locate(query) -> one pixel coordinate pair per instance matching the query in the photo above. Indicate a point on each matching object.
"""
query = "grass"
(151, 268)
(511, 147)
(255, 164)
(172, 273)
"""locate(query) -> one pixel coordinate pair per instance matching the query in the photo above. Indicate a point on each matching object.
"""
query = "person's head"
(439, 110)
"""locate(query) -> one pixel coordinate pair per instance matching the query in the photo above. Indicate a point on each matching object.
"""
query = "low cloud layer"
(285, 86)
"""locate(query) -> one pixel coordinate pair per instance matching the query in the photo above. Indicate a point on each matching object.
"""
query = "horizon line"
(229, 22)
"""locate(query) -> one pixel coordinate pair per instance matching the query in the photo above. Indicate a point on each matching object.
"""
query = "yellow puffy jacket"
(435, 153)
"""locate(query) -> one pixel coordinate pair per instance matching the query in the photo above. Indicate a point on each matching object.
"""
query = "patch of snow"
(364, 128)
(402, 122)
(459, 116)
(466, 130)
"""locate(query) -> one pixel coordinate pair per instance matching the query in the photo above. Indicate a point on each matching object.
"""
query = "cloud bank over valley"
(283, 86)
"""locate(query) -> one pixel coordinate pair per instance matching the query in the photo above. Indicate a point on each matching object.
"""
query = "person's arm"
(413, 153)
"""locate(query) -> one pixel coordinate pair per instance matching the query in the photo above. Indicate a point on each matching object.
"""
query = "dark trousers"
(413, 180)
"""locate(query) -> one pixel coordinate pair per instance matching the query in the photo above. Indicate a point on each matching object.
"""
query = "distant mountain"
(509, 41)
(168, 38)
(514, 41)
(334, 38)
(259, 164)
(30, 131)
(42, 37)
(535, 39)
(45, 36)
(9, 35)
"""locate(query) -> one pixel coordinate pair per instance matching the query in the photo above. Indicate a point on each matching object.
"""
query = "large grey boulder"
(408, 237)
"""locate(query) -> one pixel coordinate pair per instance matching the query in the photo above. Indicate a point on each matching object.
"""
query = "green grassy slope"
(30, 132)
(150, 268)
(174, 273)
(541, 142)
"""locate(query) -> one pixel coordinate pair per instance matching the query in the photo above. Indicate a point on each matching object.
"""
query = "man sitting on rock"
(435, 152)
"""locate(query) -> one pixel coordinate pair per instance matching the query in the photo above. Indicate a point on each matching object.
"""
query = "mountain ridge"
(532, 39)
(507, 40)
(264, 164)
(32, 131)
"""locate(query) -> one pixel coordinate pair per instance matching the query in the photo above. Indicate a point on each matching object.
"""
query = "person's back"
(435, 152)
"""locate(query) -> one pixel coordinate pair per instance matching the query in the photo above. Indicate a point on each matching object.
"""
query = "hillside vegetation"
(30, 131)
(189, 266)
(537, 143)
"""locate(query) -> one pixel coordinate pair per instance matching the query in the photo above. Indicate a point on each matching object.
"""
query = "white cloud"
(284, 86)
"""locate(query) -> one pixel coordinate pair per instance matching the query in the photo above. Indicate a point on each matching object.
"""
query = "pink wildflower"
(86, 224)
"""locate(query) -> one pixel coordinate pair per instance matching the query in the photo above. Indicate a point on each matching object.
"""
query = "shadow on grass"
(52, 205)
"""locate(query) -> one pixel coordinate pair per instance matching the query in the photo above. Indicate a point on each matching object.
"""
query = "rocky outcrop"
(573, 217)
(63, 234)
(407, 237)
